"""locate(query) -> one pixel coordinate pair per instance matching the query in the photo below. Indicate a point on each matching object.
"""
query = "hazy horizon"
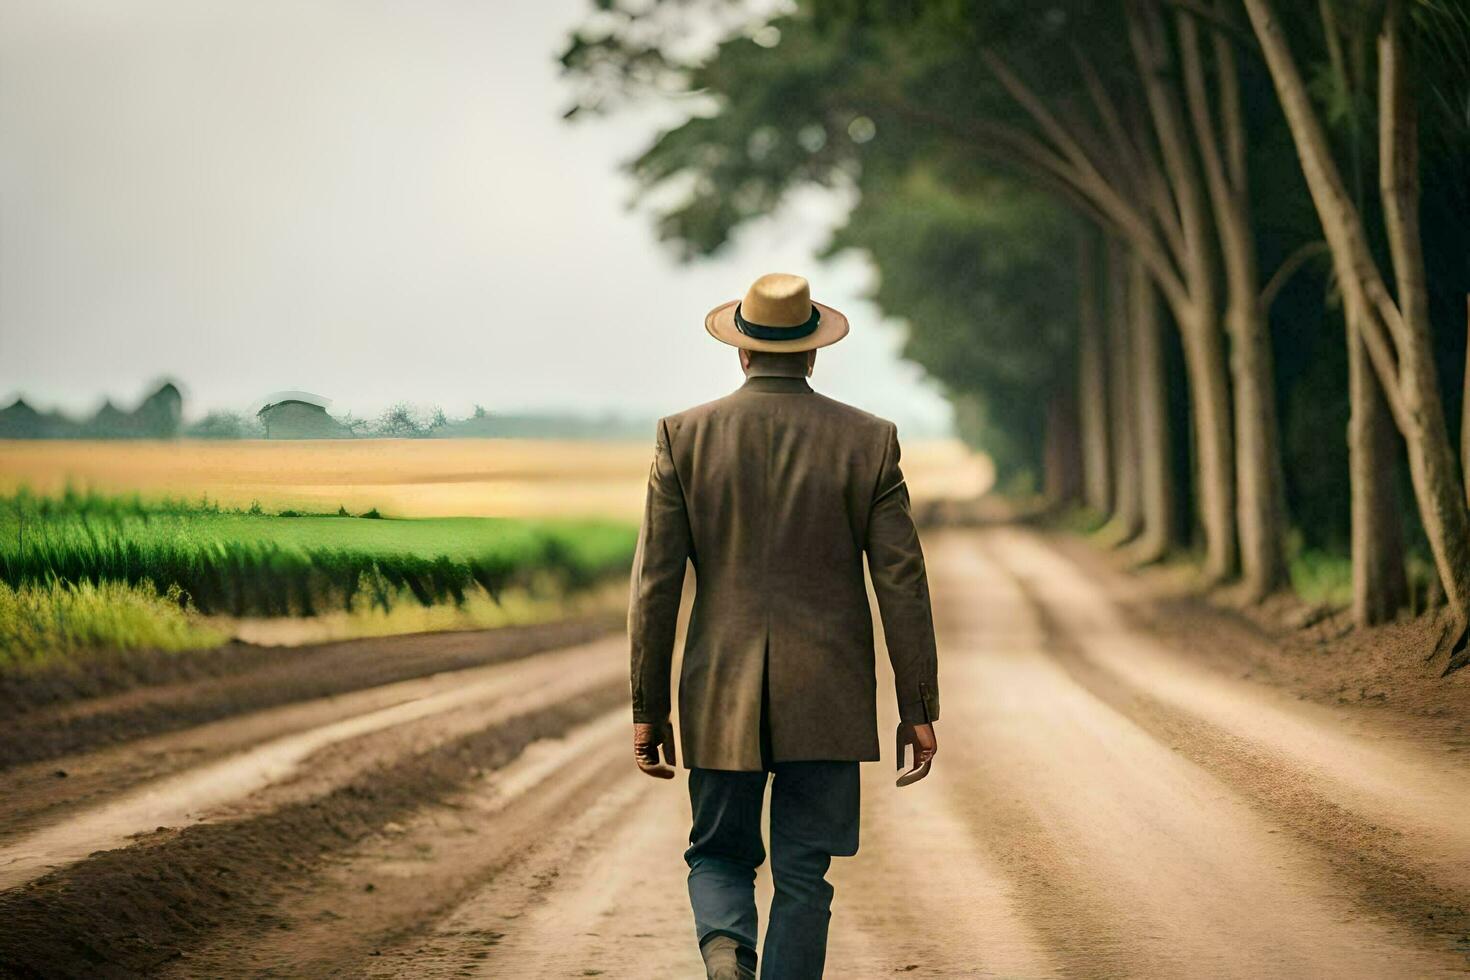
(371, 201)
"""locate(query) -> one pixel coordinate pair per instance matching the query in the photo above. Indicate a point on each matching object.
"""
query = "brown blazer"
(775, 493)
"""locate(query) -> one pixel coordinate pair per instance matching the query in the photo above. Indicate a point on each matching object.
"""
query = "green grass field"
(258, 564)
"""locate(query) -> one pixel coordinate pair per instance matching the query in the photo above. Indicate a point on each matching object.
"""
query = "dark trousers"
(814, 818)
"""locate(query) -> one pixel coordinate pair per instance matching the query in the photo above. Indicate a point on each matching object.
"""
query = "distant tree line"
(161, 416)
(158, 416)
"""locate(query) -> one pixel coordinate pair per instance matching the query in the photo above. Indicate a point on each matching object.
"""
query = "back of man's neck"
(769, 365)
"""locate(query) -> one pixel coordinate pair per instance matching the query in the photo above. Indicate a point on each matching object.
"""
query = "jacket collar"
(776, 383)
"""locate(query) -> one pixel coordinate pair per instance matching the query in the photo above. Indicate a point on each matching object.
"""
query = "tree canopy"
(1287, 179)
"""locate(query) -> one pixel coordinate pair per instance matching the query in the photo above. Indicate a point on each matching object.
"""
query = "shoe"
(726, 959)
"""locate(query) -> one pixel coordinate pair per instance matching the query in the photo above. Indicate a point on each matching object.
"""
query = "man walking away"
(775, 494)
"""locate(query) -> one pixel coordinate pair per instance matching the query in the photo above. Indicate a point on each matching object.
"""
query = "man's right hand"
(926, 746)
(646, 740)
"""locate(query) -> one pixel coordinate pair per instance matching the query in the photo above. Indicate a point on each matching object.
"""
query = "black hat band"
(759, 332)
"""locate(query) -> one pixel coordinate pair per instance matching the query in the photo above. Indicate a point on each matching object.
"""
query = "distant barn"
(298, 415)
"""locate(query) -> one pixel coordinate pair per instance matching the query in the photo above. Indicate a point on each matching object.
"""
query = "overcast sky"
(375, 200)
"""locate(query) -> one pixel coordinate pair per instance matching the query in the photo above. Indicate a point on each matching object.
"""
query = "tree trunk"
(1260, 490)
(1395, 335)
(1167, 223)
(1465, 410)
(1122, 399)
(1197, 312)
(1156, 475)
(1441, 494)
(1380, 587)
(1204, 360)
(1062, 450)
(1092, 395)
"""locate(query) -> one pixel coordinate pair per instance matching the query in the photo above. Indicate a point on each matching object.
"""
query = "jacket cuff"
(642, 716)
(922, 709)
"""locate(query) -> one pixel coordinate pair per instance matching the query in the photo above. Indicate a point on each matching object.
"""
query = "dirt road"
(1103, 805)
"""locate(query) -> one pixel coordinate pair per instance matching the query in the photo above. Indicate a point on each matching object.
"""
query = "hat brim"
(720, 322)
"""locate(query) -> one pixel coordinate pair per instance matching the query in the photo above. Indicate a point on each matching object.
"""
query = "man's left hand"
(926, 746)
(646, 740)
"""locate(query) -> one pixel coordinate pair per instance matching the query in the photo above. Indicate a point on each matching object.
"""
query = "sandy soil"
(1107, 802)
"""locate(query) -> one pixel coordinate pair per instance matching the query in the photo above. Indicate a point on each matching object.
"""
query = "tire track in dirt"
(1404, 855)
(1421, 792)
(1130, 860)
(132, 910)
(391, 905)
(599, 893)
(923, 898)
(36, 794)
(195, 793)
(65, 709)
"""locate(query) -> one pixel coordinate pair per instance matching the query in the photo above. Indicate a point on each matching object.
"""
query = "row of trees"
(404, 420)
(399, 421)
(1153, 248)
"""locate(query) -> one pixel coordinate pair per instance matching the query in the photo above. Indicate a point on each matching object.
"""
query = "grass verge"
(42, 621)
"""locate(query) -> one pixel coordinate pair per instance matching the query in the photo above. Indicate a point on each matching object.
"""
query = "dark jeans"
(814, 818)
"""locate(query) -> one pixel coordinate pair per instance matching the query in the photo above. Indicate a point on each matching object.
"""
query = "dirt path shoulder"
(56, 712)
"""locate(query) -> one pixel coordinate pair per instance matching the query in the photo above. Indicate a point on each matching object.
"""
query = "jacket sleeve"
(658, 583)
(896, 564)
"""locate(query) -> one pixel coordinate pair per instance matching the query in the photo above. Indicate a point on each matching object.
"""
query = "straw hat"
(777, 314)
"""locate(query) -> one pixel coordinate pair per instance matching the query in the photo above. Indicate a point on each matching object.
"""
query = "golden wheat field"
(407, 477)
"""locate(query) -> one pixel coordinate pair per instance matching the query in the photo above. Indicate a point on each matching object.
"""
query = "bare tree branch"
(1107, 109)
(1145, 30)
(1398, 147)
(1288, 268)
(1113, 168)
(1127, 218)
(1218, 16)
(1161, 199)
(1198, 102)
(1232, 120)
(1465, 409)
(1038, 111)
(1138, 155)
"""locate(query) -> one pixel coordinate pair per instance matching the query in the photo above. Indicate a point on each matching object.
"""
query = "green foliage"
(54, 619)
(226, 425)
(250, 564)
(986, 284)
(401, 421)
(985, 280)
(1078, 519)
(1325, 577)
(894, 103)
(1322, 577)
